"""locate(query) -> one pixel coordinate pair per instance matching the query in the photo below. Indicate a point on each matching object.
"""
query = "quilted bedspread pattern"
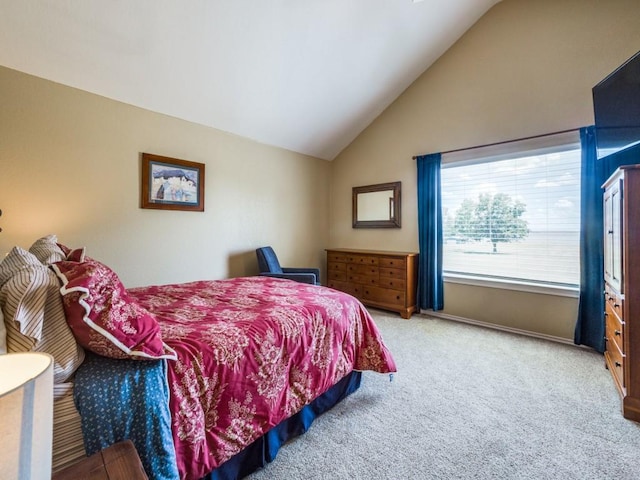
(253, 351)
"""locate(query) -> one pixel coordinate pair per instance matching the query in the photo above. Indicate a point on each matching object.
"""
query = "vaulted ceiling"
(305, 75)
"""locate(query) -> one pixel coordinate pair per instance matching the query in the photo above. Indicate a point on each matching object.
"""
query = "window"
(513, 217)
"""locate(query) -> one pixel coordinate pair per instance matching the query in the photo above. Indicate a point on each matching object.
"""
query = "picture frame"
(171, 184)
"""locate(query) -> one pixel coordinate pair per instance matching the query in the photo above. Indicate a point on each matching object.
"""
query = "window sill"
(558, 290)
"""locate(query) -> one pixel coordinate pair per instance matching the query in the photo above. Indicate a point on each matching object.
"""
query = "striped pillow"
(34, 316)
(16, 260)
(46, 250)
(3, 335)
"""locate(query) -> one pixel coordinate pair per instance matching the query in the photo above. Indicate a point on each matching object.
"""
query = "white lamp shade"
(26, 416)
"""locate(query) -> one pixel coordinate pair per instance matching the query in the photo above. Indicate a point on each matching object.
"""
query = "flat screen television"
(616, 105)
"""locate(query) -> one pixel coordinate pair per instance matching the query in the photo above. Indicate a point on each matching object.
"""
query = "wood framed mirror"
(377, 206)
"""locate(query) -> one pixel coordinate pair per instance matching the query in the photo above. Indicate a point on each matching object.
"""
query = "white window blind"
(513, 212)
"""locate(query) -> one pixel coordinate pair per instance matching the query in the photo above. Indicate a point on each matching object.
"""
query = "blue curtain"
(590, 324)
(430, 283)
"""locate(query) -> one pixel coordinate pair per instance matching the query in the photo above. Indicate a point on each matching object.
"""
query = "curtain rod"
(507, 141)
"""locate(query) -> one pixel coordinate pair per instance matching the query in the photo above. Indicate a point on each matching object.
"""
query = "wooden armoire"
(622, 284)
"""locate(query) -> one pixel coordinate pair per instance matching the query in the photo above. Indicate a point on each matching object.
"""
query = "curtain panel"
(430, 278)
(590, 326)
(590, 323)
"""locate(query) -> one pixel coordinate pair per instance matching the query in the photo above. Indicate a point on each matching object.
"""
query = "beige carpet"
(470, 403)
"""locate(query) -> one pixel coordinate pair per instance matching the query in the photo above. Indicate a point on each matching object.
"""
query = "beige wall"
(526, 68)
(70, 162)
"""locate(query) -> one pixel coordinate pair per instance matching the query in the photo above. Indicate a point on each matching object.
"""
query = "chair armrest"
(309, 278)
(315, 271)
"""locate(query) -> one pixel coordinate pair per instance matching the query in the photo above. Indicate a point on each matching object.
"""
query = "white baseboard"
(446, 316)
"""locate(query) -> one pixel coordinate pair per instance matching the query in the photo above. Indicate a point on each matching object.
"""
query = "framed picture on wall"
(171, 184)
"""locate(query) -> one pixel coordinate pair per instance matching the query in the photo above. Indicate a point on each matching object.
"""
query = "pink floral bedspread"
(252, 352)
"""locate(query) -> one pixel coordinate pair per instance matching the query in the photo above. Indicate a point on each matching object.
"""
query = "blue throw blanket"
(127, 399)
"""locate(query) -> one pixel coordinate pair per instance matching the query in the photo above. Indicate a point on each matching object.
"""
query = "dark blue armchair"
(270, 266)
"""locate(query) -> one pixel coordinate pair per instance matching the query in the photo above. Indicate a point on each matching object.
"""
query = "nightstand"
(117, 462)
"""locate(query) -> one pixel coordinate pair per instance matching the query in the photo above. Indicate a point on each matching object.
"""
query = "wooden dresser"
(622, 285)
(381, 279)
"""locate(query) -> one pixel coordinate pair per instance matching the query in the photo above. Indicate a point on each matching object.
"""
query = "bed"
(207, 378)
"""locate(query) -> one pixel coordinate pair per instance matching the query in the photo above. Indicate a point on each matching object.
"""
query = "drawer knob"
(617, 332)
(618, 364)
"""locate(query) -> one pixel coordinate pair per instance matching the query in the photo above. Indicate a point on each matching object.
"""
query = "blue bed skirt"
(265, 449)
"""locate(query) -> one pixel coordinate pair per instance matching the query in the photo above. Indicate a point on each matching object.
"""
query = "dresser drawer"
(393, 262)
(616, 362)
(359, 269)
(383, 295)
(614, 299)
(392, 283)
(336, 267)
(392, 272)
(337, 275)
(337, 257)
(362, 259)
(362, 279)
(614, 327)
